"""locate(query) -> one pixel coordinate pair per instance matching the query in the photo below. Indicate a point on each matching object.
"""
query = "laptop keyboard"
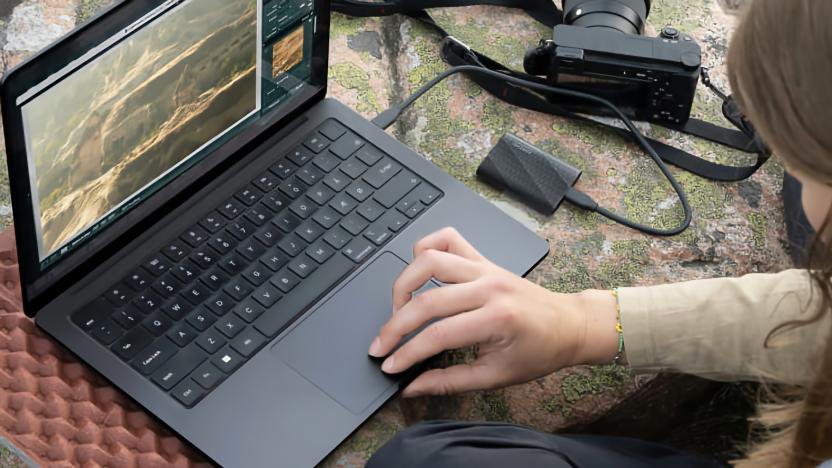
(194, 312)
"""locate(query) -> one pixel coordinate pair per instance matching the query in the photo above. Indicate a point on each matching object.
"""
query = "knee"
(416, 446)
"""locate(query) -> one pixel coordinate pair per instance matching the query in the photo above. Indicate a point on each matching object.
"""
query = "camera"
(600, 49)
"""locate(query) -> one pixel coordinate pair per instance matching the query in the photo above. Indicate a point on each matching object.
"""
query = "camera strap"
(455, 52)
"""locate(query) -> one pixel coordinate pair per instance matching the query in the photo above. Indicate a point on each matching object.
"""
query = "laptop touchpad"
(330, 347)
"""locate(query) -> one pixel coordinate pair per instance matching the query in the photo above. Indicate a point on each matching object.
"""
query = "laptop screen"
(118, 124)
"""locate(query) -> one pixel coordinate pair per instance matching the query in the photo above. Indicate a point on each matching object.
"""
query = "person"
(771, 327)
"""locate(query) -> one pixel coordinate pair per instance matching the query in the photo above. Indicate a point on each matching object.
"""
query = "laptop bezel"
(38, 285)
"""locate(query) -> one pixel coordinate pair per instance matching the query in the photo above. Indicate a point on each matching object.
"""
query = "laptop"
(198, 223)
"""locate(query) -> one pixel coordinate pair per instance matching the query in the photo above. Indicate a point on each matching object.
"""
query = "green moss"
(556, 403)
(614, 274)
(496, 116)
(758, 224)
(86, 9)
(632, 250)
(494, 406)
(643, 193)
(575, 387)
(342, 25)
(562, 152)
(351, 76)
(571, 274)
(708, 198)
(685, 16)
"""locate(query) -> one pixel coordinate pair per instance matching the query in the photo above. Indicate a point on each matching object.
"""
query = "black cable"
(580, 199)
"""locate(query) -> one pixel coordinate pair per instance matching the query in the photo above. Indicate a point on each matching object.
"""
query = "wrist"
(600, 339)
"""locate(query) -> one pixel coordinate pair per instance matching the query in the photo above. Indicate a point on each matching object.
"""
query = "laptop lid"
(107, 128)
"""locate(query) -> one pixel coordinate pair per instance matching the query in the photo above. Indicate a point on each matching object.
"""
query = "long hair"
(779, 65)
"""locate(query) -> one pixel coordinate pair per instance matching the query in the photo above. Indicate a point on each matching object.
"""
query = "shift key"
(152, 357)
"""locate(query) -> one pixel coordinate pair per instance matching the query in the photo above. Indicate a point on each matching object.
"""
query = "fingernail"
(375, 348)
(387, 366)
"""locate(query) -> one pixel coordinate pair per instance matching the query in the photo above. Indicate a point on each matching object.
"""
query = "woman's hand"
(523, 330)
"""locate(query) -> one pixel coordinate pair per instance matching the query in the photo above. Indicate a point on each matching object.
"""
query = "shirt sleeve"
(717, 328)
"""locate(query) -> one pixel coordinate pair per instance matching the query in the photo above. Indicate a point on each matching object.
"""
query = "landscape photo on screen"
(287, 52)
(117, 124)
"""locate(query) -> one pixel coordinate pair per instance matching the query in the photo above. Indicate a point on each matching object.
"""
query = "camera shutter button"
(670, 33)
(691, 59)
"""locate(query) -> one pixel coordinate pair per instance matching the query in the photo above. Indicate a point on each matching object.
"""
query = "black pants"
(446, 444)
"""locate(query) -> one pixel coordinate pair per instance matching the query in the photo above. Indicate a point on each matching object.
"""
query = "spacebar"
(305, 294)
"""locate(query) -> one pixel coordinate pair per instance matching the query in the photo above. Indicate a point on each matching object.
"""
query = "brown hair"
(780, 65)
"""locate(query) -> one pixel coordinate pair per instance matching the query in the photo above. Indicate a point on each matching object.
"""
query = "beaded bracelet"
(618, 328)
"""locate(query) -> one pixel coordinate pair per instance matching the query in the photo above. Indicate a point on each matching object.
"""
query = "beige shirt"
(716, 328)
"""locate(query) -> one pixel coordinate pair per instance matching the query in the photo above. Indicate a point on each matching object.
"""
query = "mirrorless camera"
(600, 49)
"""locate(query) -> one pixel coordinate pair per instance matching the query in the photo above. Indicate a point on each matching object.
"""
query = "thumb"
(455, 379)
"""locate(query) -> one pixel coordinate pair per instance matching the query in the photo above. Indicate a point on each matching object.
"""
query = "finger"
(447, 240)
(455, 379)
(445, 267)
(438, 302)
(452, 332)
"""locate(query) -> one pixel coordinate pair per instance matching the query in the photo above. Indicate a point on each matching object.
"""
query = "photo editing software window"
(122, 121)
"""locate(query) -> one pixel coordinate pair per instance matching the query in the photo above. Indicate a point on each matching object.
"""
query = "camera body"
(649, 78)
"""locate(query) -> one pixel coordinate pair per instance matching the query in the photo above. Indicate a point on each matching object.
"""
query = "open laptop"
(197, 223)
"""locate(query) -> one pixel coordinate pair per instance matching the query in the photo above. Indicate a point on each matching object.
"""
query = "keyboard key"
(138, 280)
(336, 180)
(326, 161)
(266, 182)
(177, 309)
(303, 207)
(332, 129)
(358, 250)
(238, 289)
(248, 310)
(276, 201)
(188, 393)
(157, 265)
(227, 360)
(285, 280)
(220, 304)
(381, 172)
(207, 376)
(408, 202)
(354, 224)
(353, 168)
(303, 295)
(337, 238)
(326, 217)
(92, 314)
(268, 235)
(259, 215)
(369, 155)
(286, 221)
(310, 175)
(292, 245)
(275, 259)
(414, 210)
(346, 145)
(249, 195)
(343, 204)
(106, 331)
(154, 355)
(302, 266)
(118, 295)
(427, 194)
(167, 286)
(320, 194)
(211, 341)
(157, 324)
(377, 234)
(213, 222)
(266, 295)
(200, 319)
(359, 190)
(257, 274)
(394, 221)
(186, 271)
(182, 334)
(231, 208)
(248, 342)
(371, 210)
(233, 264)
(241, 229)
(127, 318)
(251, 249)
(222, 243)
(204, 257)
(398, 187)
(301, 156)
(316, 143)
(131, 344)
(148, 301)
(178, 367)
(176, 251)
(310, 230)
(320, 252)
(283, 169)
(215, 279)
(195, 236)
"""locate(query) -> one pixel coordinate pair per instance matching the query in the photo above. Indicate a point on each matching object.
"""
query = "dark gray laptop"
(197, 223)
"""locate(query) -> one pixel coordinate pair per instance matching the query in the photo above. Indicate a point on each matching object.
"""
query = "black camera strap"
(456, 53)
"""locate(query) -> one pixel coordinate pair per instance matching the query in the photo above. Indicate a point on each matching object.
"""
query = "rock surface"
(60, 412)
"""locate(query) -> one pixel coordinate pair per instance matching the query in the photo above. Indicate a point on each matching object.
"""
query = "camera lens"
(626, 16)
